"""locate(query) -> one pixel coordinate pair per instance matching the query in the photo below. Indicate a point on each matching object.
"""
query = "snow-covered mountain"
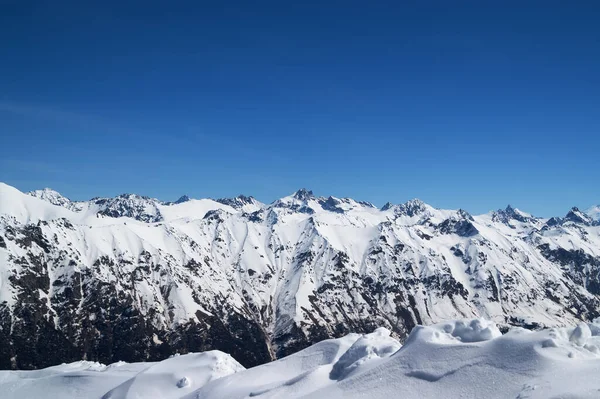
(134, 278)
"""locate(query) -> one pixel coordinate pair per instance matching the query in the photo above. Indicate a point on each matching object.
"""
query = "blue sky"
(461, 104)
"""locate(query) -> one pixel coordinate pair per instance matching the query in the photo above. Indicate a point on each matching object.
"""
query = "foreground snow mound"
(463, 358)
(470, 358)
(74, 380)
(368, 348)
(475, 330)
(306, 371)
(174, 377)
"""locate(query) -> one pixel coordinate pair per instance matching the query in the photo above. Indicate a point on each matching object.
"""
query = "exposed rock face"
(132, 278)
(133, 206)
(578, 217)
(242, 203)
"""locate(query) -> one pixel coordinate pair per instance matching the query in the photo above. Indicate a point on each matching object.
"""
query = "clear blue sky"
(460, 104)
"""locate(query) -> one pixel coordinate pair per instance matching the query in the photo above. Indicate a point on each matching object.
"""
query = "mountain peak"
(367, 204)
(576, 216)
(142, 208)
(511, 213)
(303, 194)
(51, 196)
(412, 207)
(414, 202)
(246, 199)
(386, 206)
(46, 193)
(331, 204)
(238, 202)
(183, 198)
(461, 213)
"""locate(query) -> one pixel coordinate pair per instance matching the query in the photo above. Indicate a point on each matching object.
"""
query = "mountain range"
(133, 278)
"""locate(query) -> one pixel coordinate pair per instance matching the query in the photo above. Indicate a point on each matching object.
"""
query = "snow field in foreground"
(463, 358)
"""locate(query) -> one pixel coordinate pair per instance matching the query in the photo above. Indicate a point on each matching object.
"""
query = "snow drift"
(463, 358)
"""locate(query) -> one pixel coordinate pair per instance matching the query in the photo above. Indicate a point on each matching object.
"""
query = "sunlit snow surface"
(297, 249)
(467, 358)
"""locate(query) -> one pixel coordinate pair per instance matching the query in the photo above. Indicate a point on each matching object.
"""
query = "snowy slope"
(463, 358)
(134, 278)
(594, 212)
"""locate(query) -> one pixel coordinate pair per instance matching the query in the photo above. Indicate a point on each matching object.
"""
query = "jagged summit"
(388, 205)
(579, 217)
(182, 199)
(303, 194)
(134, 206)
(510, 214)
(146, 209)
(50, 195)
(410, 208)
(247, 204)
(56, 198)
(367, 204)
(413, 207)
(238, 201)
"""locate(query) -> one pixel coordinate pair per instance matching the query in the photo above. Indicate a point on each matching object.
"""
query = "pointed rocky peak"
(387, 206)
(121, 198)
(342, 205)
(554, 221)
(509, 209)
(510, 213)
(182, 199)
(331, 200)
(462, 214)
(245, 199)
(56, 198)
(411, 208)
(367, 204)
(303, 194)
(578, 217)
(331, 204)
(133, 196)
(296, 203)
(51, 196)
(238, 202)
(142, 208)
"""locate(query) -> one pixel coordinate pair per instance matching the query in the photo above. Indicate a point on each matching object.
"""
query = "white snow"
(293, 249)
(461, 358)
(28, 209)
(177, 376)
(261, 258)
(192, 209)
(594, 212)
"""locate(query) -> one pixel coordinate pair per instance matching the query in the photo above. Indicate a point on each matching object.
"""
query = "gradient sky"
(462, 104)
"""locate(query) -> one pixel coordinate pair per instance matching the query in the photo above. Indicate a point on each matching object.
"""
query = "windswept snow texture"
(594, 212)
(463, 358)
(133, 278)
